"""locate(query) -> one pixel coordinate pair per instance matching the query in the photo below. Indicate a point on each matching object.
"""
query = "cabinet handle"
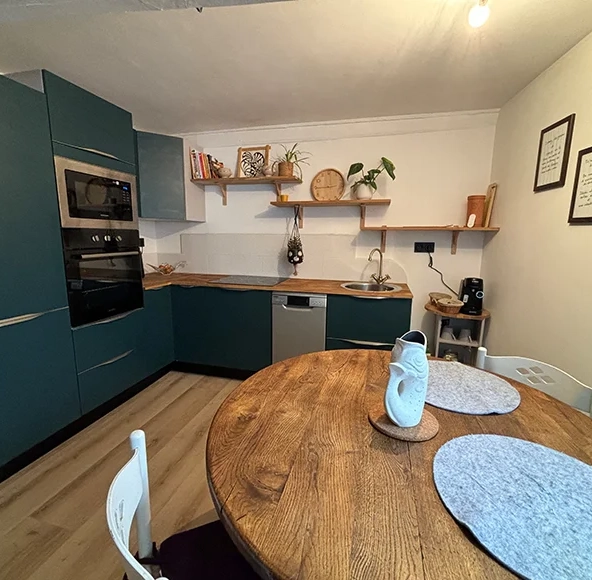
(108, 255)
(108, 362)
(27, 317)
(186, 286)
(234, 289)
(371, 297)
(110, 320)
(362, 342)
(95, 151)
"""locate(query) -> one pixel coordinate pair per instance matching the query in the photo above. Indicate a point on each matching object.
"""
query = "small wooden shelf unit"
(440, 316)
(223, 183)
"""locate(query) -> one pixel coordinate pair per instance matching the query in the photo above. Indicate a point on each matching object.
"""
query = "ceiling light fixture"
(479, 14)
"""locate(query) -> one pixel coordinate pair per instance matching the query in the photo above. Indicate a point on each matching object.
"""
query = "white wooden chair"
(205, 552)
(129, 499)
(541, 376)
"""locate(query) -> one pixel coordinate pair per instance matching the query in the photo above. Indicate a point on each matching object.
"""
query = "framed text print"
(553, 158)
(580, 211)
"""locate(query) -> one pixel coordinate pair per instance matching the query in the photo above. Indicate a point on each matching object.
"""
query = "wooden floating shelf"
(222, 183)
(300, 205)
(340, 202)
(455, 230)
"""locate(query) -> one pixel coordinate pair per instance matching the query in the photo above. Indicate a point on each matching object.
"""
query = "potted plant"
(290, 158)
(366, 186)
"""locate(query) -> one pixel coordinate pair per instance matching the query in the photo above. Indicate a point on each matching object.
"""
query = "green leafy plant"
(369, 178)
(295, 156)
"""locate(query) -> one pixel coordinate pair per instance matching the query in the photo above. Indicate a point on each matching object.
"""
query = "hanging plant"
(295, 250)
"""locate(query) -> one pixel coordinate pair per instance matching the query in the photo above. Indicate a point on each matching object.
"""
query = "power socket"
(424, 247)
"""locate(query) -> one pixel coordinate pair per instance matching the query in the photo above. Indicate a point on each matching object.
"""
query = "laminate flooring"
(52, 513)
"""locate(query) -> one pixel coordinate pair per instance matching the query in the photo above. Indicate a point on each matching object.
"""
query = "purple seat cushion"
(203, 553)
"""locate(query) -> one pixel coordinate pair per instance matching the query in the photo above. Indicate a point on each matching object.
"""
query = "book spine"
(211, 166)
(202, 168)
(207, 166)
(194, 164)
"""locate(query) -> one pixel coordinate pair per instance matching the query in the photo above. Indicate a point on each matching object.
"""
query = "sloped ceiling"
(304, 61)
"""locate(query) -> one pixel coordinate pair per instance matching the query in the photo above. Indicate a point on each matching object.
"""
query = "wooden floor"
(52, 514)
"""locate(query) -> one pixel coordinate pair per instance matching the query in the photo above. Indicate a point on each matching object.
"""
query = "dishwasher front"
(299, 324)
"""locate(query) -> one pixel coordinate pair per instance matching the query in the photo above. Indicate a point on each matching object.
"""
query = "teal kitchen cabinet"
(366, 323)
(31, 260)
(222, 328)
(161, 182)
(108, 358)
(81, 120)
(156, 346)
(38, 388)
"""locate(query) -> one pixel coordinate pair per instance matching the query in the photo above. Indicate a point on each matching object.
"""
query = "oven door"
(95, 197)
(103, 285)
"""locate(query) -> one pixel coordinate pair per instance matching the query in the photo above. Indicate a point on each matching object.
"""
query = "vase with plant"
(291, 158)
(366, 187)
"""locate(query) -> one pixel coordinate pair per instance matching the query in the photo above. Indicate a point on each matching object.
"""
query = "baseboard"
(211, 371)
(45, 446)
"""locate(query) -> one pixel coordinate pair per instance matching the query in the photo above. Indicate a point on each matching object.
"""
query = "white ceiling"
(311, 60)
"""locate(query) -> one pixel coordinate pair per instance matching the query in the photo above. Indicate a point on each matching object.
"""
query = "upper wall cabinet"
(83, 126)
(164, 185)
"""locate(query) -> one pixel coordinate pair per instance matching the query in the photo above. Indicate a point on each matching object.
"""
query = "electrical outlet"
(425, 247)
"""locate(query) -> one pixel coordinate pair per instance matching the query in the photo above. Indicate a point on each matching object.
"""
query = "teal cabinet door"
(31, 260)
(161, 183)
(82, 120)
(366, 323)
(156, 347)
(38, 388)
(223, 328)
(108, 358)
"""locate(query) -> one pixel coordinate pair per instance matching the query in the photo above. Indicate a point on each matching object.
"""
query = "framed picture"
(580, 211)
(252, 160)
(553, 157)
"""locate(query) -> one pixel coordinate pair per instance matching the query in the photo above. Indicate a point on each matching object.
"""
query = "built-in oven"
(104, 273)
(95, 197)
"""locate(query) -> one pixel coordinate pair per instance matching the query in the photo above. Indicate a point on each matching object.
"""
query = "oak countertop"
(154, 281)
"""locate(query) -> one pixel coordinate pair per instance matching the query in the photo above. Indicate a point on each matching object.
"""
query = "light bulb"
(479, 14)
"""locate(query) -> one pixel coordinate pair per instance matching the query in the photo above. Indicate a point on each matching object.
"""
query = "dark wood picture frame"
(586, 219)
(570, 122)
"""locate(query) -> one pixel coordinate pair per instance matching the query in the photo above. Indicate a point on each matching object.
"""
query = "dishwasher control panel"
(300, 300)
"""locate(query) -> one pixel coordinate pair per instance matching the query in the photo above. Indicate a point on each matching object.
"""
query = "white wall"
(440, 160)
(537, 269)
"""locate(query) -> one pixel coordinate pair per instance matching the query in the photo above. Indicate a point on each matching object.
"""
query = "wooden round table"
(309, 490)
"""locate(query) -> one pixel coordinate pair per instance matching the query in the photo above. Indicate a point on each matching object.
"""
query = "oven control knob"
(107, 238)
(95, 238)
(118, 238)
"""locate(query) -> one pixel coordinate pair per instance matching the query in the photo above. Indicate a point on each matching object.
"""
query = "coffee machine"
(471, 293)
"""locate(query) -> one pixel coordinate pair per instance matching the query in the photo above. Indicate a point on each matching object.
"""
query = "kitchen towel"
(464, 389)
(528, 505)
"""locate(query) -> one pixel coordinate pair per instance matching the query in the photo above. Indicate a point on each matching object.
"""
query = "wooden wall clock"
(328, 185)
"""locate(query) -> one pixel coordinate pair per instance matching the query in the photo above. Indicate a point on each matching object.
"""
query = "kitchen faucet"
(378, 278)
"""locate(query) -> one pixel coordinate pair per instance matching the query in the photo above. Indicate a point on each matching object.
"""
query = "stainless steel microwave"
(94, 197)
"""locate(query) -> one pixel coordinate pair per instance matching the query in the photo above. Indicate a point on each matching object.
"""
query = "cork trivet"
(427, 429)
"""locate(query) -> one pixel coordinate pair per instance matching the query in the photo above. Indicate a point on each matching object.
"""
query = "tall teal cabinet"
(38, 386)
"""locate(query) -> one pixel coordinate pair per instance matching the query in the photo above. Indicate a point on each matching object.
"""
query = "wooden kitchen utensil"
(328, 185)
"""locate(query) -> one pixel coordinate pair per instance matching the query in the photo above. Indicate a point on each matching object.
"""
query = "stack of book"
(203, 166)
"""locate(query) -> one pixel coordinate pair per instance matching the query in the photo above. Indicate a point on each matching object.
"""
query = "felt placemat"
(464, 389)
(528, 505)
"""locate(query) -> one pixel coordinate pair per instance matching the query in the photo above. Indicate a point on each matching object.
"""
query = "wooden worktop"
(303, 285)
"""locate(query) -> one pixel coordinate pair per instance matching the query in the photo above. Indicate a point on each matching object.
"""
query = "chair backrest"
(129, 499)
(541, 376)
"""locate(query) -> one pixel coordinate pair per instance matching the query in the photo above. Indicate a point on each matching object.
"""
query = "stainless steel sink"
(371, 287)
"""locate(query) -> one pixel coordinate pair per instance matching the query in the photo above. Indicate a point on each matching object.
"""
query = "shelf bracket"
(454, 243)
(278, 190)
(224, 193)
(299, 211)
(383, 241)
(362, 218)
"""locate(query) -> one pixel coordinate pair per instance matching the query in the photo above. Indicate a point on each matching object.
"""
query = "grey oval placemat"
(464, 389)
(528, 505)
